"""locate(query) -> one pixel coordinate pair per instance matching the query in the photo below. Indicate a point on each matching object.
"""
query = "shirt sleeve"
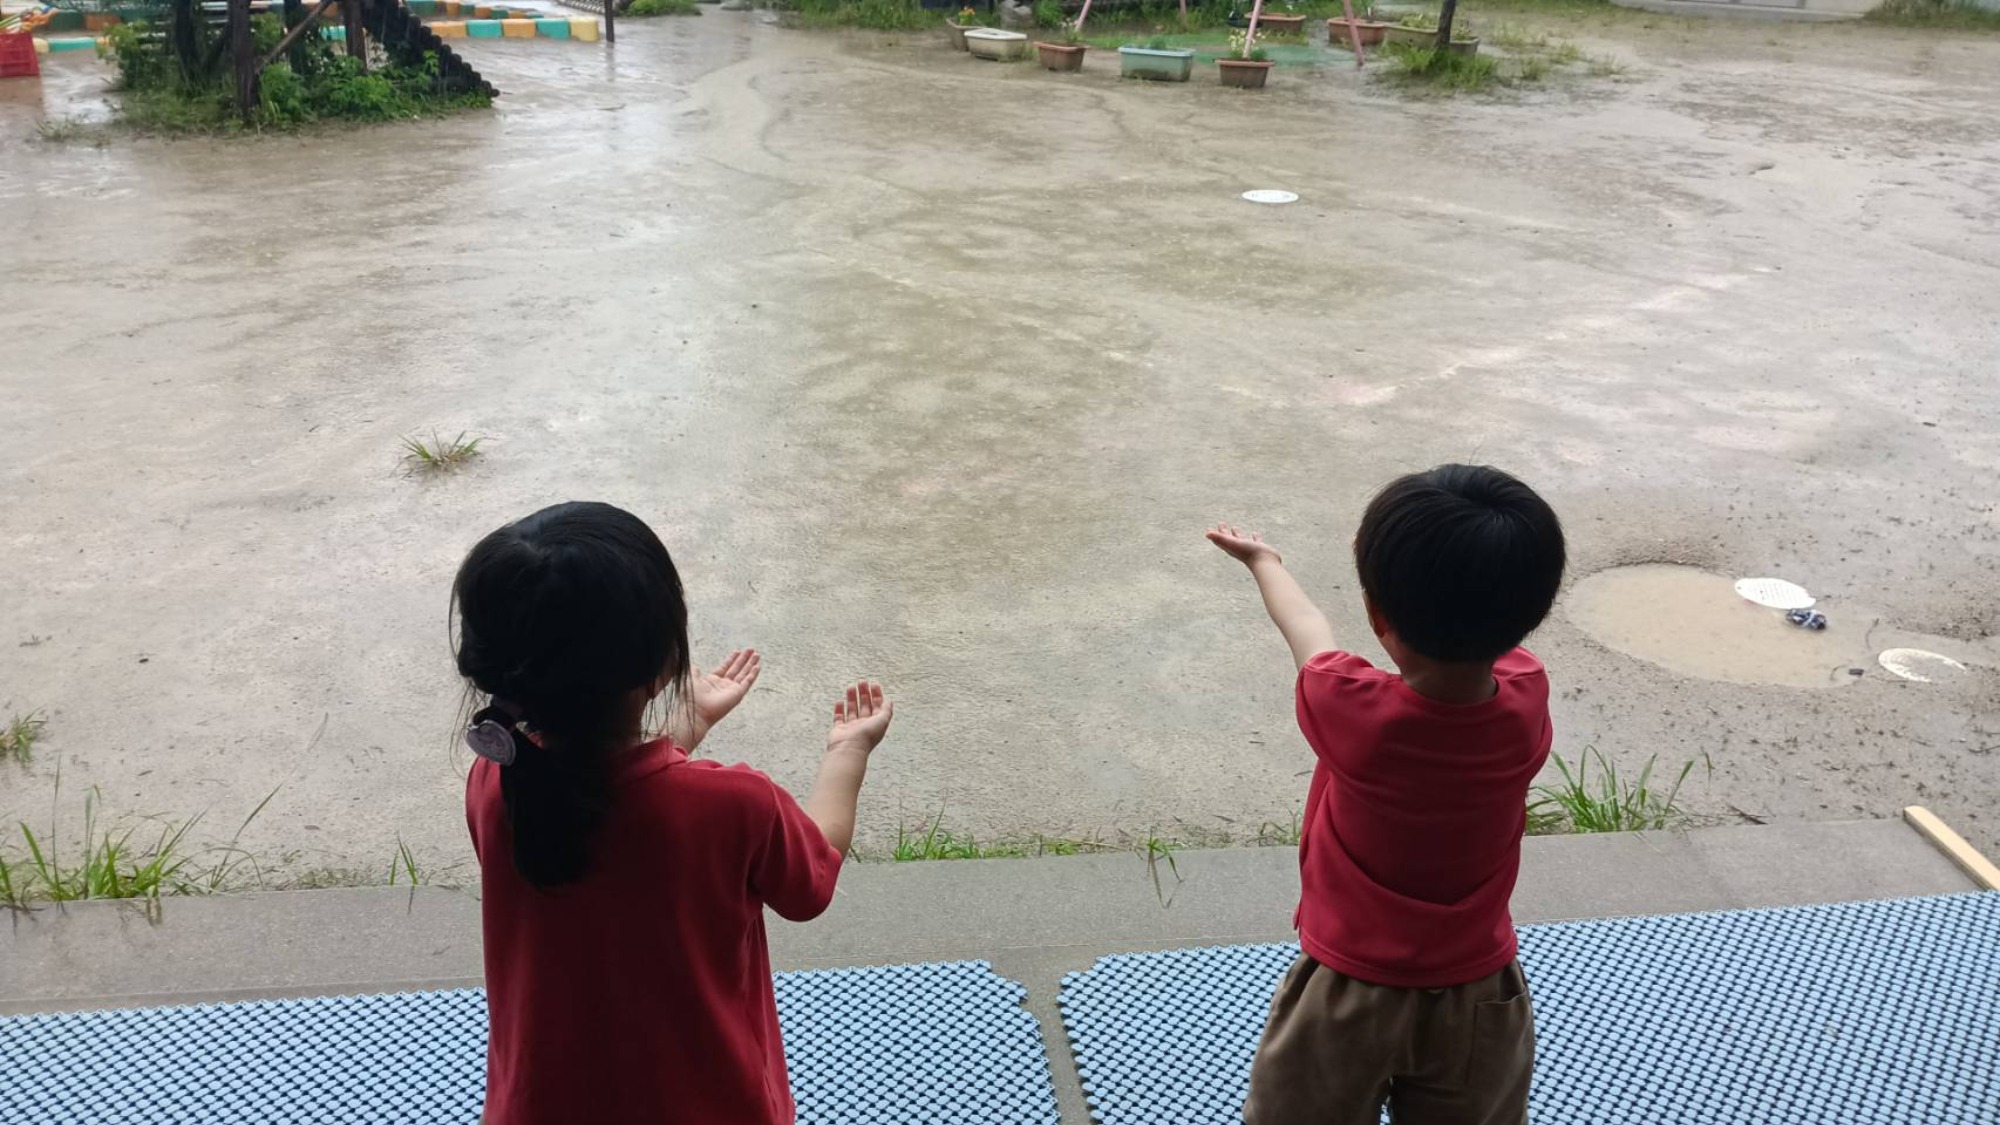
(1325, 688)
(795, 870)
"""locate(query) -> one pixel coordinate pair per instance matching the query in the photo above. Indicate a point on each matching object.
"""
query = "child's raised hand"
(715, 694)
(860, 720)
(1244, 548)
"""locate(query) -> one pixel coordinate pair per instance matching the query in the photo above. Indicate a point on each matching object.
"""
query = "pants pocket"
(1503, 1044)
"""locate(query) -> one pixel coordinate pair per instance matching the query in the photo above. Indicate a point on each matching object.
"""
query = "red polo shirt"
(1412, 833)
(642, 992)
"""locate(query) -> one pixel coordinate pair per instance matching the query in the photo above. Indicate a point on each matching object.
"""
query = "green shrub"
(875, 15)
(663, 8)
(1049, 14)
(1442, 69)
(1960, 14)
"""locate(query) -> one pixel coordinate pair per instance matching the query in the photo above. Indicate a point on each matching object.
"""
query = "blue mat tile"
(935, 1043)
(1872, 1012)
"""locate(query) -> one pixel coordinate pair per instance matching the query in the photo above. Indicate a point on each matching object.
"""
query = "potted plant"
(1281, 19)
(995, 44)
(1363, 30)
(956, 26)
(1156, 61)
(1242, 68)
(1421, 30)
(1064, 52)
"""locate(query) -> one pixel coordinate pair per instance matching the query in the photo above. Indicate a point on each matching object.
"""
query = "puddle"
(1693, 622)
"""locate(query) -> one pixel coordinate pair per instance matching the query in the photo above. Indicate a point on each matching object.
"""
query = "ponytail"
(562, 616)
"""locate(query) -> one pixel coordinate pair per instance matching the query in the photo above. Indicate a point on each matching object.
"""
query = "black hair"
(561, 615)
(1463, 561)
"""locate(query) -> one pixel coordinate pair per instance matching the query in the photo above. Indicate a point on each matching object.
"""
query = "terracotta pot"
(1244, 74)
(1066, 57)
(1369, 32)
(957, 33)
(1268, 24)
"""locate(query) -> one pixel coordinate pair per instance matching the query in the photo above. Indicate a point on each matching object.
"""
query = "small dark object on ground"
(1807, 619)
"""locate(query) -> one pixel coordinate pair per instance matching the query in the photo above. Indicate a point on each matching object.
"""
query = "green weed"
(404, 867)
(1951, 15)
(436, 455)
(874, 15)
(18, 737)
(1608, 802)
(1273, 834)
(1157, 851)
(1441, 70)
(1604, 66)
(1532, 69)
(663, 8)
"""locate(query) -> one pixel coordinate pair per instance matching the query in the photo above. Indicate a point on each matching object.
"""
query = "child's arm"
(712, 695)
(1305, 628)
(858, 725)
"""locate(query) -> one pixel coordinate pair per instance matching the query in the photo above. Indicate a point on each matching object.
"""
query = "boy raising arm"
(1408, 991)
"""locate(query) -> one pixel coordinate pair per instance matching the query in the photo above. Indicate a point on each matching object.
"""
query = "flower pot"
(1268, 24)
(1244, 74)
(1158, 66)
(995, 44)
(956, 33)
(1065, 57)
(1369, 32)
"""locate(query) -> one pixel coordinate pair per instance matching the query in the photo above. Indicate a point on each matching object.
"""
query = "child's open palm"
(1244, 547)
(715, 694)
(860, 720)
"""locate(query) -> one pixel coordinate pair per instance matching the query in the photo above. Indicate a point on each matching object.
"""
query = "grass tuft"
(1608, 802)
(18, 737)
(1442, 70)
(1158, 850)
(662, 8)
(1950, 15)
(874, 15)
(436, 455)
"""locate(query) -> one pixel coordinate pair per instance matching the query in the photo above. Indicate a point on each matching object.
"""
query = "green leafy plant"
(969, 17)
(1607, 802)
(1441, 69)
(663, 8)
(18, 737)
(437, 455)
(1157, 851)
(1240, 39)
(1961, 15)
(874, 15)
(1049, 14)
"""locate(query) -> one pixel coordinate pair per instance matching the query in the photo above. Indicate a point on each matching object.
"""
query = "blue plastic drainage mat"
(944, 1043)
(1853, 1014)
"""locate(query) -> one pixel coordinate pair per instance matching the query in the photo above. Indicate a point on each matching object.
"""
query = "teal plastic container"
(1158, 66)
(482, 29)
(58, 45)
(552, 29)
(422, 7)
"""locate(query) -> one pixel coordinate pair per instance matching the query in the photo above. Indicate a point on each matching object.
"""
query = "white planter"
(993, 43)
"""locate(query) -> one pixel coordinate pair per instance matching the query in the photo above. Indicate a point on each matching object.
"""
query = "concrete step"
(1034, 919)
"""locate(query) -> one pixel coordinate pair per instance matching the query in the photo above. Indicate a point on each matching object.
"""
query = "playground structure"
(198, 33)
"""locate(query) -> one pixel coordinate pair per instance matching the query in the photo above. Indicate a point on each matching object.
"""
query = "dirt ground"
(932, 370)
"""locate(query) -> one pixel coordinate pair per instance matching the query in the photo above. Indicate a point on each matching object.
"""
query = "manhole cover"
(1916, 664)
(1271, 195)
(1774, 593)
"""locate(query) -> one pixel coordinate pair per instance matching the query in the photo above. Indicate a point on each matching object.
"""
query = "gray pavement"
(1033, 919)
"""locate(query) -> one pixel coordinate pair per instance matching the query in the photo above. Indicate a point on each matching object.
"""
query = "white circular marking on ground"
(1916, 664)
(1271, 195)
(1774, 593)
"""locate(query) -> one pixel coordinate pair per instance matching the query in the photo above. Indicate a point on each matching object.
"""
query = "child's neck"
(1457, 684)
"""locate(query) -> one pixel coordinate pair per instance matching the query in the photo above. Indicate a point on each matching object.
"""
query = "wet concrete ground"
(932, 370)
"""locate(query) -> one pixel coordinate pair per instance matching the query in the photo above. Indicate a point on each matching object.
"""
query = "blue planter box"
(1159, 66)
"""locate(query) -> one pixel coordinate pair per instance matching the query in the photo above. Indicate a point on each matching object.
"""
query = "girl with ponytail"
(624, 883)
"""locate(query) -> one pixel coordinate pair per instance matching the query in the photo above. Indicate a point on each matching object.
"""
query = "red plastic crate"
(17, 55)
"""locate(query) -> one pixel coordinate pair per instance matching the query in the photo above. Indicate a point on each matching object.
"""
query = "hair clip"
(491, 741)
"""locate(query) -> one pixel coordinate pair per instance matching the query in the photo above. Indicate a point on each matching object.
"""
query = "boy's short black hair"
(1463, 561)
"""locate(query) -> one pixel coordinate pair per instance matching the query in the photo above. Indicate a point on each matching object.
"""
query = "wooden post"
(242, 57)
(1353, 32)
(357, 32)
(295, 14)
(1445, 14)
(611, 21)
(185, 31)
(1250, 33)
(1080, 16)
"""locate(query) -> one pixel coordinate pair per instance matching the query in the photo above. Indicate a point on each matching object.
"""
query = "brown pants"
(1336, 1048)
